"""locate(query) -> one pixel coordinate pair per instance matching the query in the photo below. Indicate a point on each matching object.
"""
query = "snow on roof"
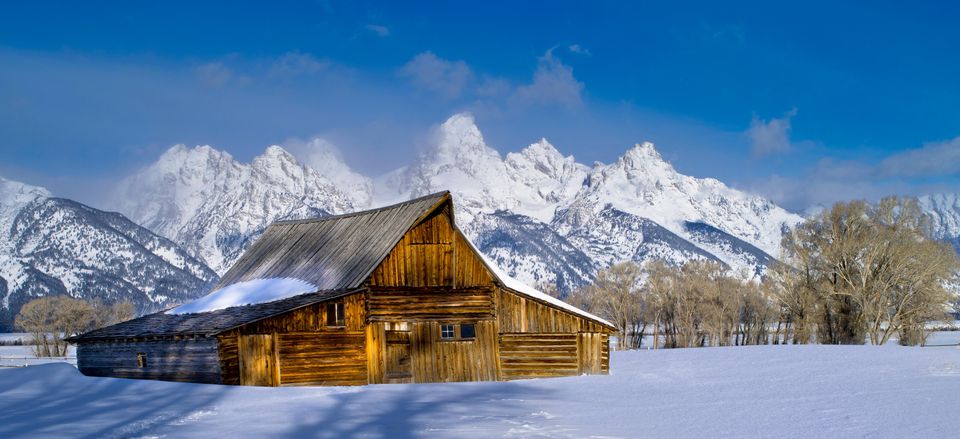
(527, 290)
(246, 293)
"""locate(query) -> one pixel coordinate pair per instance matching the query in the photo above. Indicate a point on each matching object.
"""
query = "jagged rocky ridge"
(542, 215)
(54, 246)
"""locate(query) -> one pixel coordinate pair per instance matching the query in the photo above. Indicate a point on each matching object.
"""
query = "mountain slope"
(214, 206)
(54, 246)
(943, 211)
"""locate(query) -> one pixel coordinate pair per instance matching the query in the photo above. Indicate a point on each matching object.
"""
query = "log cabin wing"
(397, 295)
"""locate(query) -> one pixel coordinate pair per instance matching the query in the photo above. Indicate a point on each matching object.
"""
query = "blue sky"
(805, 103)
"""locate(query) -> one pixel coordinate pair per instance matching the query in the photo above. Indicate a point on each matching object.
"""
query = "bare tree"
(51, 319)
(615, 295)
(873, 271)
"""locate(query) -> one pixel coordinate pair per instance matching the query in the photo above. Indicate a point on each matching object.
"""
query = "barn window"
(468, 330)
(335, 314)
(447, 332)
(141, 359)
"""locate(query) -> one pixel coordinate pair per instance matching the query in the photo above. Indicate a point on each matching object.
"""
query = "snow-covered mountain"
(943, 210)
(638, 207)
(214, 206)
(54, 246)
(541, 215)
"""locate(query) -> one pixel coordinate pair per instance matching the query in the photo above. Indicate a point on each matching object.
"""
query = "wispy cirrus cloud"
(380, 30)
(292, 64)
(214, 74)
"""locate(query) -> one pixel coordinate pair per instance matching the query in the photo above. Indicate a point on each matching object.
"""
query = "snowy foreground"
(766, 391)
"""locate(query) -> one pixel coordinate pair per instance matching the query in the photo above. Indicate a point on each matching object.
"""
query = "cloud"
(578, 49)
(381, 31)
(553, 83)
(293, 64)
(770, 136)
(430, 72)
(493, 86)
(214, 74)
(931, 160)
(835, 180)
(827, 182)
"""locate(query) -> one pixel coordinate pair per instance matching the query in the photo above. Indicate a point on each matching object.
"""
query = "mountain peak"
(543, 147)
(644, 156)
(14, 195)
(459, 139)
(277, 152)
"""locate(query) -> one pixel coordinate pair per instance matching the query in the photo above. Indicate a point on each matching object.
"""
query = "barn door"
(398, 364)
(258, 360)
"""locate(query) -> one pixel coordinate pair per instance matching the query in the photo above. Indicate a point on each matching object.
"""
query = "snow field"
(758, 391)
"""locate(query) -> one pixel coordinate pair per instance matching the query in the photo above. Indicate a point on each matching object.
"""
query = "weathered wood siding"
(431, 359)
(593, 358)
(432, 254)
(312, 318)
(519, 316)
(191, 360)
(416, 304)
(424, 257)
(259, 365)
(322, 358)
(518, 313)
(538, 355)
(301, 337)
(229, 358)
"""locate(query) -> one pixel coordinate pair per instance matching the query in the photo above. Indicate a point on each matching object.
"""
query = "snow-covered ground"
(19, 356)
(762, 391)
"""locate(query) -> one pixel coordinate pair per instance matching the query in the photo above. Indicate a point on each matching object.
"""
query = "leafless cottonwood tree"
(51, 319)
(872, 269)
(615, 295)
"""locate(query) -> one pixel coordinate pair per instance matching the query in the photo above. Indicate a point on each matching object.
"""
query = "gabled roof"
(334, 252)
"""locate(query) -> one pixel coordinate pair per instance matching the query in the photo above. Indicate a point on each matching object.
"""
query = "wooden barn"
(390, 295)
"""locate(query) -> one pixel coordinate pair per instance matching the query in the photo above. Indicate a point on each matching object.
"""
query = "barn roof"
(334, 252)
(204, 324)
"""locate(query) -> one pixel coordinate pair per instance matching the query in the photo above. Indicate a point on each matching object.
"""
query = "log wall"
(322, 359)
(308, 325)
(521, 314)
(431, 359)
(189, 360)
(415, 304)
(538, 355)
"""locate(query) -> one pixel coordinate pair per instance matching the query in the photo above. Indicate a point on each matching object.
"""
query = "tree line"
(50, 320)
(856, 272)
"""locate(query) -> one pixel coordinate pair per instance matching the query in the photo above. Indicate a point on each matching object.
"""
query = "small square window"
(468, 330)
(335, 314)
(447, 332)
(141, 360)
